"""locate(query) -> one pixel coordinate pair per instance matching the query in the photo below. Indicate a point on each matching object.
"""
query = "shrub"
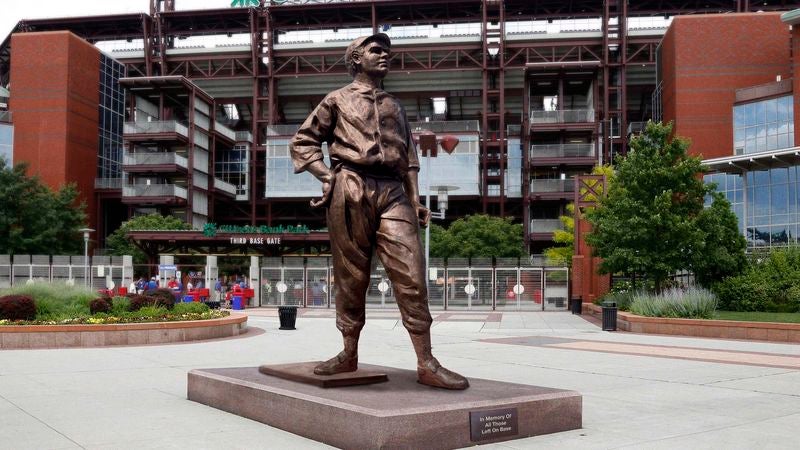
(190, 308)
(56, 300)
(771, 284)
(622, 299)
(693, 303)
(100, 305)
(119, 306)
(17, 307)
(166, 297)
(140, 301)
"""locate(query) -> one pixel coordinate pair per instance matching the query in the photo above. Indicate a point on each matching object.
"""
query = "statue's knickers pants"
(368, 212)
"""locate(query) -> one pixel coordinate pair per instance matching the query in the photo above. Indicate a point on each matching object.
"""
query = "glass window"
(764, 125)
(760, 201)
(772, 111)
(760, 178)
(750, 114)
(739, 117)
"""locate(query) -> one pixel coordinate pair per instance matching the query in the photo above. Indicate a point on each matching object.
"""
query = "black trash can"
(575, 305)
(287, 316)
(610, 316)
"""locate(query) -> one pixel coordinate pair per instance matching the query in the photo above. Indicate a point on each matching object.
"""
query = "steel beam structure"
(493, 55)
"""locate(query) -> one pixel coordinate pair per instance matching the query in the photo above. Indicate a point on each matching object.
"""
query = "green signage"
(211, 229)
(243, 3)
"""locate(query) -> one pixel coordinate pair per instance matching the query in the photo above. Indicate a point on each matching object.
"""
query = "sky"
(15, 10)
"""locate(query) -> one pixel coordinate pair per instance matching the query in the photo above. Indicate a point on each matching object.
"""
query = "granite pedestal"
(400, 413)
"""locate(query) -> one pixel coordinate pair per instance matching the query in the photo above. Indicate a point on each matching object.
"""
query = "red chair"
(203, 293)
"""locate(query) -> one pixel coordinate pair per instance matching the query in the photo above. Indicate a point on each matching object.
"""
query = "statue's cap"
(383, 38)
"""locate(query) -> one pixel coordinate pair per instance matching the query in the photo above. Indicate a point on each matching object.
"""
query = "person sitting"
(172, 284)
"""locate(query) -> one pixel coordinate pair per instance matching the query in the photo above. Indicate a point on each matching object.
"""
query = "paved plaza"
(639, 391)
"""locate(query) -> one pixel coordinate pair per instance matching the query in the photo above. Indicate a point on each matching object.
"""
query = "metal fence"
(99, 272)
(479, 284)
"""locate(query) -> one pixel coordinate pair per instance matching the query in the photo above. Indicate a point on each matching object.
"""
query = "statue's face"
(375, 60)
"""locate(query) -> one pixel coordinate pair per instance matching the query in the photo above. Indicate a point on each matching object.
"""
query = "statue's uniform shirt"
(372, 150)
(363, 126)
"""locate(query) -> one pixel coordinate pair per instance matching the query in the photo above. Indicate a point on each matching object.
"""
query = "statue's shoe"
(433, 374)
(338, 364)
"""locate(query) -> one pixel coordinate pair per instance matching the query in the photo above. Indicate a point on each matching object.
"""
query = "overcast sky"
(15, 10)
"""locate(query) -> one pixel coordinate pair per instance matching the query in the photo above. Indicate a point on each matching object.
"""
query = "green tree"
(721, 253)
(36, 220)
(478, 236)
(118, 242)
(650, 221)
(562, 253)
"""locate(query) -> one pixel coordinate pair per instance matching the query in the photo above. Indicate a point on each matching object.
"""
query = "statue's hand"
(423, 214)
(327, 189)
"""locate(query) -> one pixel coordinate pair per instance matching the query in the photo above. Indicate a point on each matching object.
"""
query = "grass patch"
(758, 316)
(56, 301)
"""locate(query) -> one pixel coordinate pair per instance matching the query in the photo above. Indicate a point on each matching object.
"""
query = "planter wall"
(62, 336)
(723, 329)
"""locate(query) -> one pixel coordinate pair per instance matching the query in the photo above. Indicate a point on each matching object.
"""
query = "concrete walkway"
(640, 391)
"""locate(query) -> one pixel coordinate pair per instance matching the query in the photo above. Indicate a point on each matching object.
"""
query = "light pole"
(86, 232)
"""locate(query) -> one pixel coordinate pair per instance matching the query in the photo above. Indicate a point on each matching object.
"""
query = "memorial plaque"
(493, 424)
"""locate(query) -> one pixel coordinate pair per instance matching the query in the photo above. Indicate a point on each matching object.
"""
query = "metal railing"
(244, 136)
(224, 186)
(158, 126)
(107, 183)
(141, 159)
(562, 116)
(446, 126)
(282, 130)
(225, 131)
(562, 150)
(154, 190)
(201, 139)
(458, 284)
(95, 272)
(567, 185)
(546, 225)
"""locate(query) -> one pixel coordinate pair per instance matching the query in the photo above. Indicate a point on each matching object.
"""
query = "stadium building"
(728, 83)
(189, 112)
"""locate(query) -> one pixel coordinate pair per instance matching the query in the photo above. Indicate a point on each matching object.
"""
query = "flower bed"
(723, 329)
(131, 318)
(57, 315)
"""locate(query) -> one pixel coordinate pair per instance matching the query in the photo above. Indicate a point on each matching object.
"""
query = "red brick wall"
(55, 96)
(705, 59)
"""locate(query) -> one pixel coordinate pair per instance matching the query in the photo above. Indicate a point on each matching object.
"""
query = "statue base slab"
(400, 413)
